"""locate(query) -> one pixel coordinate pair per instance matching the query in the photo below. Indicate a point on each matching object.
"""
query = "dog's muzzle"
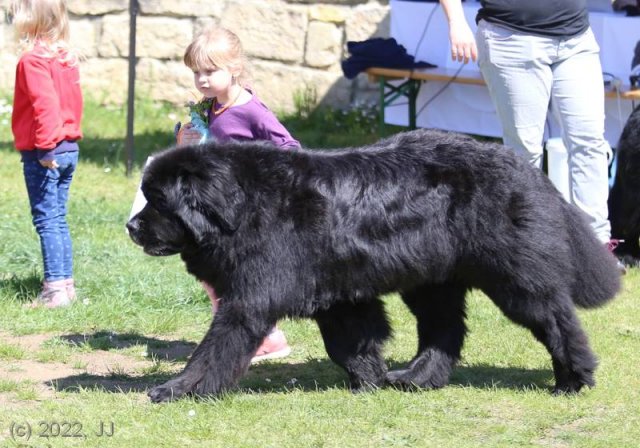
(133, 229)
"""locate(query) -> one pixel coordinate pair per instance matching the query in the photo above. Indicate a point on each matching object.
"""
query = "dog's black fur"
(322, 234)
(624, 198)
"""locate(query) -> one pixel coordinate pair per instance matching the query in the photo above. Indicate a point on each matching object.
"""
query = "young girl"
(47, 110)
(219, 73)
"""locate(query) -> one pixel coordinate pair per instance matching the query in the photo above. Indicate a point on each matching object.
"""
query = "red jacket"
(47, 101)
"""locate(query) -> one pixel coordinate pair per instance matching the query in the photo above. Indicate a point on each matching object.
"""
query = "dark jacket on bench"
(378, 52)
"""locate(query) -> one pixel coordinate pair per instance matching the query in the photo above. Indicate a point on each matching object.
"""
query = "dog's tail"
(596, 274)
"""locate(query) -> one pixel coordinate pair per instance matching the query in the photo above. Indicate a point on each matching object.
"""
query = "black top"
(556, 18)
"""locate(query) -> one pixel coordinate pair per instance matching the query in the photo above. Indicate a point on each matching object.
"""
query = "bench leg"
(383, 104)
(389, 93)
(413, 88)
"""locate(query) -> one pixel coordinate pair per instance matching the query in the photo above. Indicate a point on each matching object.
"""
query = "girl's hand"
(51, 164)
(188, 136)
(463, 43)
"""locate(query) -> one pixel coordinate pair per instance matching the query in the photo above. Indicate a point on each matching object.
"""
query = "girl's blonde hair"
(43, 22)
(218, 47)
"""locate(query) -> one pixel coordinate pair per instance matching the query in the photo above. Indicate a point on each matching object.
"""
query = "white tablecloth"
(468, 109)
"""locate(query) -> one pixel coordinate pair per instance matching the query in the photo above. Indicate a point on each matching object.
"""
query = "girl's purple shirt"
(250, 121)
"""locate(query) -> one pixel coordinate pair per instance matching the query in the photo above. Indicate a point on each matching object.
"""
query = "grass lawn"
(78, 376)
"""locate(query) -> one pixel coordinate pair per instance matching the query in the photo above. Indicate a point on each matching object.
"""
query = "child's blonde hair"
(218, 47)
(43, 22)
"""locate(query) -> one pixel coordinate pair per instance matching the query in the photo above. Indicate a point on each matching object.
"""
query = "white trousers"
(526, 74)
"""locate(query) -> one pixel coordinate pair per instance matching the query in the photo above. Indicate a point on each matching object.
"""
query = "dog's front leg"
(221, 359)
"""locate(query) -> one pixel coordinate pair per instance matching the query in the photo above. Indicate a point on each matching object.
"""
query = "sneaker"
(273, 346)
(611, 247)
(53, 295)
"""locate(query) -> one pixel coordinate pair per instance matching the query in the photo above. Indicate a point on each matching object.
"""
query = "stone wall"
(292, 45)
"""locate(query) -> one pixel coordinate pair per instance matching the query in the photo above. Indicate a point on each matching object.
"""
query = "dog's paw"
(566, 389)
(409, 379)
(169, 391)
(395, 376)
(571, 387)
(402, 379)
(574, 382)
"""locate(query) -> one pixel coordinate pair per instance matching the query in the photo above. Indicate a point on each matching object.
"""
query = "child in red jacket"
(47, 110)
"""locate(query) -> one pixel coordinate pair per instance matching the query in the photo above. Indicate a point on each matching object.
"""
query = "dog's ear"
(213, 193)
(197, 222)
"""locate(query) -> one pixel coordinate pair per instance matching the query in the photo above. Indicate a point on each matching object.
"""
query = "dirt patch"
(90, 361)
(30, 342)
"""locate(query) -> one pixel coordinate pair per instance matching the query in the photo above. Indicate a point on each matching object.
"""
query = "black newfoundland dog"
(322, 234)
(624, 199)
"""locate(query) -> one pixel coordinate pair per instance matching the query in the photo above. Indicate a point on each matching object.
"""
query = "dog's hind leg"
(354, 334)
(440, 313)
(552, 319)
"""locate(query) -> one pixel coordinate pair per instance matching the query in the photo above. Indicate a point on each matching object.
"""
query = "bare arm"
(463, 44)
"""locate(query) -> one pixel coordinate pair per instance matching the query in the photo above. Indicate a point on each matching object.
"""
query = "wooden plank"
(426, 74)
(473, 78)
(625, 93)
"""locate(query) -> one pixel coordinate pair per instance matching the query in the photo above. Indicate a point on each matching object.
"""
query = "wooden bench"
(410, 87)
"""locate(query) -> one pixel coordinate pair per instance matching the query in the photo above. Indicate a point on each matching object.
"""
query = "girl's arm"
(35, 77)
(275, 132)
(463, 43)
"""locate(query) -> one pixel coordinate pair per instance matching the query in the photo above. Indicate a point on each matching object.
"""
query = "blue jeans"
(524, 73)
(48, 191)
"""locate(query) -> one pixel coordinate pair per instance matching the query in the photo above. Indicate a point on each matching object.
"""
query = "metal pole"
(133, 12)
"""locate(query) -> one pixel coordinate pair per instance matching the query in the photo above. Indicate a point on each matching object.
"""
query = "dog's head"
(192, 196)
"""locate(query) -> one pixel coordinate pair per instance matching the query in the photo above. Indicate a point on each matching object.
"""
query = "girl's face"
(213, 81)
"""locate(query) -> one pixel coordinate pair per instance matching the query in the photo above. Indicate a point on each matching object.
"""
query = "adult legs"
(516, 68)
(440, 314)
(578, 102)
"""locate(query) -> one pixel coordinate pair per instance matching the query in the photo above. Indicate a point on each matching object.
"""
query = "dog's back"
(539, 217)
(468, 203)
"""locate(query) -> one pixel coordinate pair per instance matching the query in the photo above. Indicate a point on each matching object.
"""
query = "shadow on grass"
(157, 349)
(114, 383)
(323, 374)
(483, 376)
(313, 375)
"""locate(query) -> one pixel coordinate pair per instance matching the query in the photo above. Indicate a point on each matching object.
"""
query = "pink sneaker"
(611, 246)
(273, 346)
(53, 295)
